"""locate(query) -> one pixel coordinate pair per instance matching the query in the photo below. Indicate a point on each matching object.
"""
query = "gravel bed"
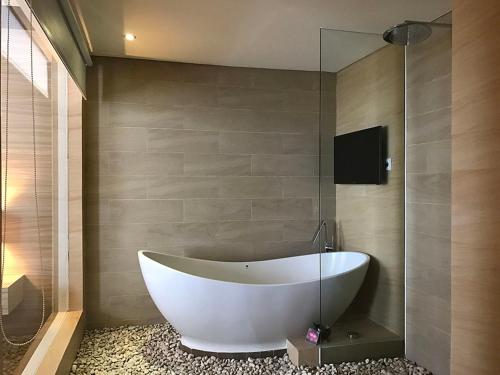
(154, 349)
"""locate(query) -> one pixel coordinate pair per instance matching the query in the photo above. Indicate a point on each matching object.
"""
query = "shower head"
(409, 32)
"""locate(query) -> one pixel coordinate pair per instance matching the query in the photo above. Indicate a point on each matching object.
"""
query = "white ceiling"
(278, 34)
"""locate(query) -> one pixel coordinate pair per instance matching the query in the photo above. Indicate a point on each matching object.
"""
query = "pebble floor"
(154, 349)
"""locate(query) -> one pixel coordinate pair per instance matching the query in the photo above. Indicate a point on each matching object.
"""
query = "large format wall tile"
(160, 187)
(144, 116)
(432, 126)
(250, 187)
(193, 160)
(115, 187)
(429, 187)
(187, 141)
(217, 165)
(429, 157)
(142, 163)
(299, 230)
(249, 143)
(111, 139)
(300, 187)
(217, 209)
(167, 233)
(250, 231)
(429, 96)
(285, 209)
(437, 219)
(370, 218)
(147, 211)
(236, 97)
(155, 92)
(284, 165)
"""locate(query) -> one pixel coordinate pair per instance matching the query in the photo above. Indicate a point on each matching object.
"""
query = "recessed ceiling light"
(129, 36)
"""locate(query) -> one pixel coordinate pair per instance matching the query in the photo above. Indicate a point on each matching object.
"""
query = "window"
(19, 52)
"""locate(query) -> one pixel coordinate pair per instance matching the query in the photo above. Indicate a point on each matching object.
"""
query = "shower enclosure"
(368, 82)
(362, 87)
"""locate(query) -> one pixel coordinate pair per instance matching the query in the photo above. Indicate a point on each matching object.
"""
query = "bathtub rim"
(364, 263)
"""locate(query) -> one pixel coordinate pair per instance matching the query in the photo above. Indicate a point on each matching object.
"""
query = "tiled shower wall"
(370, 218)
(202, 161)
(428, 206)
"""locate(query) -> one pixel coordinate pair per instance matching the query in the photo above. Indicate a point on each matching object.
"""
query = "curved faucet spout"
(328, 246)
(318, 231)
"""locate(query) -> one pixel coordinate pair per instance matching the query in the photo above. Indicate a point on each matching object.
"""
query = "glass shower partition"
(40, 144)
(362, 86)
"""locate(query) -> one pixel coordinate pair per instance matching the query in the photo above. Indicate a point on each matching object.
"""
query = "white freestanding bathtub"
(244, 307)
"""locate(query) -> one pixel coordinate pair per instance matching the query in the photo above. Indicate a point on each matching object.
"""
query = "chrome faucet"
(318, 231)
(329, 246)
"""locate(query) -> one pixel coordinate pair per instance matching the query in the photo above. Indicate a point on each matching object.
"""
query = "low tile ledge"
(360, 349)
(58, 346)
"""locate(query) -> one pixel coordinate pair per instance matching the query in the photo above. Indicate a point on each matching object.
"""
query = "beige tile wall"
(370, 218)
(428, 202)
(203, 161)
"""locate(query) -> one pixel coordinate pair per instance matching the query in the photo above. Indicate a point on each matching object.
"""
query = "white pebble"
(154, 349)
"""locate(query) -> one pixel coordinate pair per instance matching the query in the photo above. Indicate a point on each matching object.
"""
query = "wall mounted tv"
(359, 157)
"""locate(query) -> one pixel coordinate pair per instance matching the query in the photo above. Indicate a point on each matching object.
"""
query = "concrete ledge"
(302, 353)
(58, 347)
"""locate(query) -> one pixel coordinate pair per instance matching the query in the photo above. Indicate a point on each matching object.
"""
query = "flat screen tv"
(359, 157)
